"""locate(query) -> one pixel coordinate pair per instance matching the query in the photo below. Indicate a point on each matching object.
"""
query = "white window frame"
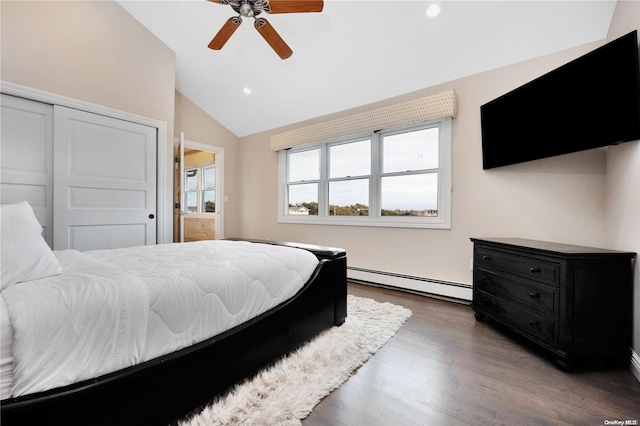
(201, 189)
(205, 189)
(442, 221)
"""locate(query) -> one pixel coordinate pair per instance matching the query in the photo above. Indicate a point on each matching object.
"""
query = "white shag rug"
(286, 392)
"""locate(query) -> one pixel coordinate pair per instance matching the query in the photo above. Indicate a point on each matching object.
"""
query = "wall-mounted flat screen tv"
(590, 102)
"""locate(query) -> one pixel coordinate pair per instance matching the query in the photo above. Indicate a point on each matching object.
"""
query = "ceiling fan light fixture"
(246, 10)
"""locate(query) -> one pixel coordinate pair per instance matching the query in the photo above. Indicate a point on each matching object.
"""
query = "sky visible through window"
(410, 151)
(405, 152)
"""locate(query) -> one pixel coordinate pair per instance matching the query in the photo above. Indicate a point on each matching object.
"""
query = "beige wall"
(200, 127)
(86, 51)
(623, 180)
(587, 198)
(558, 199)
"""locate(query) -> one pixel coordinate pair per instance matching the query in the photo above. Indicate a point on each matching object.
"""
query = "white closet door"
(104, 182)
(26, 146)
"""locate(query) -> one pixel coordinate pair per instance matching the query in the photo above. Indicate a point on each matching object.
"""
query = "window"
(409, 175)
(200, 190)
(393, 177)
(208, 190)
(349, 178)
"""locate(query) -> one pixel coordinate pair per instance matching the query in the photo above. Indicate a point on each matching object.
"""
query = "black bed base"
(163, 390)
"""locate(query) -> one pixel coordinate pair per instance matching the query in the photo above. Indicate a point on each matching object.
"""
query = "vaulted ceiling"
(354, 52)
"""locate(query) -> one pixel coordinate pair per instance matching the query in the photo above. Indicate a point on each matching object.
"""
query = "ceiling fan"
(253, 8)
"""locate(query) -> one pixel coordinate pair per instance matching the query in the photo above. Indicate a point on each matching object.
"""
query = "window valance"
(442, 104)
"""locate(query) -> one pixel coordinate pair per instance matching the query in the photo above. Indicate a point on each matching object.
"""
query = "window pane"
(349, 198)
(209, 201)
(304, 165)
(410, 195)
(416, 150)
(191, 180)
(303, 199)
(191, 201)
(350, 159)
(209, 177)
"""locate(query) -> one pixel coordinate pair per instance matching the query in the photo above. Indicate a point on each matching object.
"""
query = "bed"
(144, 335)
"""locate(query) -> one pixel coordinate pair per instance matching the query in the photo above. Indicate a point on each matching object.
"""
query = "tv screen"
(590, 102)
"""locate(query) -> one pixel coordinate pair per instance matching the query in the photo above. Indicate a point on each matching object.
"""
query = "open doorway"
(199, 194)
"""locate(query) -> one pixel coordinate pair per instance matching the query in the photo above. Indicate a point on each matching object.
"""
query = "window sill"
(421, 223)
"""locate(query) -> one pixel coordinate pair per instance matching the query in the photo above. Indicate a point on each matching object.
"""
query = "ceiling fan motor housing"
(249, 8)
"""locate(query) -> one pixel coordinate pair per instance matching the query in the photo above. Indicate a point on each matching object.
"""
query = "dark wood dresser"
(574, 301)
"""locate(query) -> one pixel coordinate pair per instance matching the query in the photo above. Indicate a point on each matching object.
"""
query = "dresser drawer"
(533, 295)
(524, 266)
(530, 323)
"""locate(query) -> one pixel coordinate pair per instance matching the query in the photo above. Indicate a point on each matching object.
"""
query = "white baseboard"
(635, 364)
(417, 284)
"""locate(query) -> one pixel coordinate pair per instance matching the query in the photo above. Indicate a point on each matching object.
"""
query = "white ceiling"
(354, 52)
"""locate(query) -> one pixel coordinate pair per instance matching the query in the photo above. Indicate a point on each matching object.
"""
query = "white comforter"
(115, 308)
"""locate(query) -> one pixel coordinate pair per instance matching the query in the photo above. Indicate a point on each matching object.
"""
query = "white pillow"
(24, 254)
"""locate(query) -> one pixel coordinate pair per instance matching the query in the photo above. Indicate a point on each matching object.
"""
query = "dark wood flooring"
(445, 368)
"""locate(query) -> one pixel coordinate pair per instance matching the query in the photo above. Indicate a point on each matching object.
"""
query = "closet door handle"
(151, 216)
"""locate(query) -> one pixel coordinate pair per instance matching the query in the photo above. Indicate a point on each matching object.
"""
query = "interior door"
(105, 182)
(26, 144)
(210, 225)
(182, 211)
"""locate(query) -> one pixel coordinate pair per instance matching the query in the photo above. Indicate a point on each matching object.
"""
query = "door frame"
(164, 196)
(220, 197)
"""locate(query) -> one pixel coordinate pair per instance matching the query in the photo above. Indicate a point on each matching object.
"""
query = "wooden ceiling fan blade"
(293, 6)
(225, 33)
(273, 38)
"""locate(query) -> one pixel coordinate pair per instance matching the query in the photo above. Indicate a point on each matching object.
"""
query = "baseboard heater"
(419, 285)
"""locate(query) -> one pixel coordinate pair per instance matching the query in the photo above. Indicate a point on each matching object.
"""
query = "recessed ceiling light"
(433, 10)
(247, 90)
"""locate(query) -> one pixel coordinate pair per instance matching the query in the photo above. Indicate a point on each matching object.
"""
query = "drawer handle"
(532, 322)
(487, 258)
(535, 270)
(486, 278)
(534, 295)
(485, 300)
